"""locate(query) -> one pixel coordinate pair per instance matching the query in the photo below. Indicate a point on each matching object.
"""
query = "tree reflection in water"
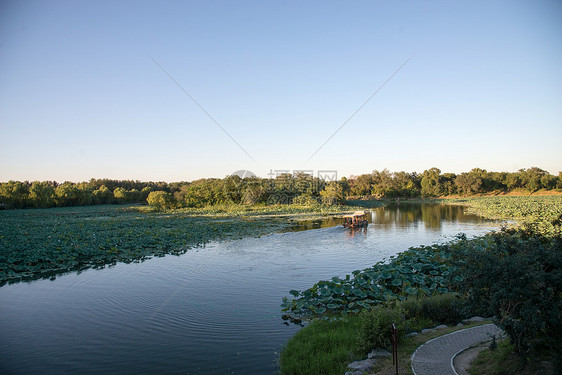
(431, 215)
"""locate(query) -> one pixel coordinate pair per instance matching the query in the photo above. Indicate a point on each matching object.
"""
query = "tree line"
(286, 188)
(433, 183)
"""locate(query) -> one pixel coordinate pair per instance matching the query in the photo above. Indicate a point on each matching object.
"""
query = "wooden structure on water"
(355, 220)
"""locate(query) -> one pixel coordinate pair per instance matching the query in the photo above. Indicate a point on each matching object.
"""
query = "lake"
(212, 310)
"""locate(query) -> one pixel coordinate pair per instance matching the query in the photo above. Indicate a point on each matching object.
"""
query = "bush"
(440, 309)
(376, 327)
(519, 277)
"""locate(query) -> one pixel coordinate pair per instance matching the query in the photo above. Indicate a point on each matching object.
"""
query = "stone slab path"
(435, 357)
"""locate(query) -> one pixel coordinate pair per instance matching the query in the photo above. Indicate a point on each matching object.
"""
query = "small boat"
(355, 220)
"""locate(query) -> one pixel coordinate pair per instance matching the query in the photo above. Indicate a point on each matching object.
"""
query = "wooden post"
(394, 340)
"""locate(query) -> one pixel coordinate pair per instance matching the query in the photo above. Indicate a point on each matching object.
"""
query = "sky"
(177, 91)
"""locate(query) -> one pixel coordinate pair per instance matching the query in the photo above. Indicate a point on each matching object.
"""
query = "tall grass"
(322, 348)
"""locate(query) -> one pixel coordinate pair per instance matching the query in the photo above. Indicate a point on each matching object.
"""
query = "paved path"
(435, 357)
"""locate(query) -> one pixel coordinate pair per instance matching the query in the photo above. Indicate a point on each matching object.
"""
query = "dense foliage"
(45, 194)
(285, 188)
(516, 275)
(433, 183)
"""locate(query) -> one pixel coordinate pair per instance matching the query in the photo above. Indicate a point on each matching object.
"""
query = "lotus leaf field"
(40, 243)
(541, 213)
(423, 270)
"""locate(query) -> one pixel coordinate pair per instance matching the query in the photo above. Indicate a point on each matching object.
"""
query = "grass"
(326, 348)
(503, 361)
(322, 348)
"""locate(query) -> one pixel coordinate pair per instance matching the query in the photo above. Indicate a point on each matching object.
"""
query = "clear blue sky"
(80, 96)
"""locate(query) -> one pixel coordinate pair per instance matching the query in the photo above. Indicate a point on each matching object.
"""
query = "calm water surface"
(213, 310)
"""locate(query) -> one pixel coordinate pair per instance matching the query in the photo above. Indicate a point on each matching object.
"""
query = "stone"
(473, 319)
(362, 366)
(379, 353)
(412, 334)
(427, 330)
(476, 319)
(442, 326)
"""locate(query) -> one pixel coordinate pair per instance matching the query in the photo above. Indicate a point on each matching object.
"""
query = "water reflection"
(356, 232)
(431, 216)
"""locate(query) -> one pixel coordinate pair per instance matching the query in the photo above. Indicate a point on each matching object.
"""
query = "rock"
(442, 326)
(379, 353)
(473, 319)
(412, 334)
(362, 366)
(460, 325)
(427, 330)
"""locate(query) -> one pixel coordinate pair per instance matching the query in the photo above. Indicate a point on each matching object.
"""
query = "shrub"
(519, 277)
(376, 327)
(441, 309)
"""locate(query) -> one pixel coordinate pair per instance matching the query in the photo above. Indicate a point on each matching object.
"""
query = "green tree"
(448, 183)
(102, 195)
(67, 194)
(254, 192)
(135, 196)
(518, 277)
(345, 186)
(121, 195)
(160, 200)
(408, 184)
(383, 184)
(531, 178)
(431, 183)
(498, 180)
(14, 194)
(513, 181)
(144, 193)
(42, 194)
(232, 189)
(332, 193)
(362, 185)
(84, 194)
(548, 181)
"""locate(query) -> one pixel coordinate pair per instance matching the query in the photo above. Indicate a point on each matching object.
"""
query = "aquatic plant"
(420, 270)
(540, 214)
(40, 243)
